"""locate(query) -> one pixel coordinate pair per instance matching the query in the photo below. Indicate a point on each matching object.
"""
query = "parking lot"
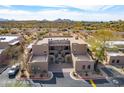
(107, 71)
(63, 79)
(111, 72)
(117, 81)
(3, 68)
(4, 79)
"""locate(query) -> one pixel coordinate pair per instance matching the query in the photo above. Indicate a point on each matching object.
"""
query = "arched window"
(83, 67)
(118, 61)
(113, 61)
(88, 67)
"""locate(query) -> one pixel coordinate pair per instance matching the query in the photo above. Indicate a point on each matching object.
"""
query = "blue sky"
(73, 12)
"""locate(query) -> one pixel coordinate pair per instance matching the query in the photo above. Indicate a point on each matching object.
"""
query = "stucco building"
(5, 43)
(115, 56)
(60, 50)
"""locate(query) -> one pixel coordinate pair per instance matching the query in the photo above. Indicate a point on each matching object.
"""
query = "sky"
(76, 12)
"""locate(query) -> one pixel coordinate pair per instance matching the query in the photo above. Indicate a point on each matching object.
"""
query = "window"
(51, 59)
(52, 48)
(51, 53)
(67, 53)
(88, 67)
(66, 48)
(118, 61)
(113, 61)
(83, 67)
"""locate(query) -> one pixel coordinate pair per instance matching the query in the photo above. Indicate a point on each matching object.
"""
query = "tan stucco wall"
(79, 65)
(4, 59)
(4, 44)
(42, 65)
(40, 49)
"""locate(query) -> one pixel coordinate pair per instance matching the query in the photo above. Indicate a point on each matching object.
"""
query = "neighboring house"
(118, 44)
(60, 50)
(115, 57)
(6, 42)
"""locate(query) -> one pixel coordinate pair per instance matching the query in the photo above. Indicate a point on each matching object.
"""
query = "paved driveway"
(63, 80)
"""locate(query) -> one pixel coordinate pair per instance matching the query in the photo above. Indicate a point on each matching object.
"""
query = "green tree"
(98, 44)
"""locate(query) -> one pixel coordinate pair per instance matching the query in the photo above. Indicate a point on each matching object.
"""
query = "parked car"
(13, 70)
(116, 81)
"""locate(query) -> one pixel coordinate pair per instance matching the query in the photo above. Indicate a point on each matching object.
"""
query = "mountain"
(2, 19)
(45, 20)
(62, 20)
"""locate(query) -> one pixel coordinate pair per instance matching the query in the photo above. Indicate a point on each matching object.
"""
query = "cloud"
(106, 7)
(83, 7)
(60, 13)
(71, 3)
(13, 12)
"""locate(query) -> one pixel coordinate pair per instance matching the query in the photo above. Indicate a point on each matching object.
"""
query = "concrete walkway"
(64, 67)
